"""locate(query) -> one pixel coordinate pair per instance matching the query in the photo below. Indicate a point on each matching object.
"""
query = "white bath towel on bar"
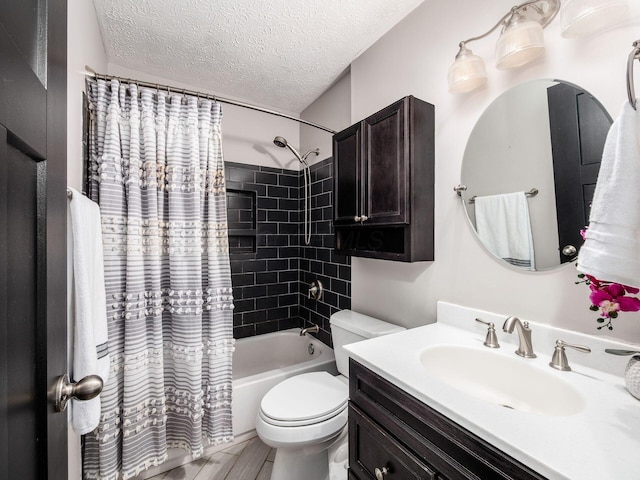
(504, 227)
(90, 352)
(612, 247)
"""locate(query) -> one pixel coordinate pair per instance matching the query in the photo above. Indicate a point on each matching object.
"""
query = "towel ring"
(635, 54)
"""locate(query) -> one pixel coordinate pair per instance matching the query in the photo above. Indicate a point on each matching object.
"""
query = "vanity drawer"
(375, 448)
(452, 451)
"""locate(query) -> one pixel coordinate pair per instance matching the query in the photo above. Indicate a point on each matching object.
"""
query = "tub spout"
(314, 329)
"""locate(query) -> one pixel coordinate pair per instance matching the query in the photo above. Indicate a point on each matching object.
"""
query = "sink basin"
(502, 380)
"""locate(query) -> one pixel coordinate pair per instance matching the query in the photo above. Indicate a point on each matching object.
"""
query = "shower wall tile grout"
(271, 267)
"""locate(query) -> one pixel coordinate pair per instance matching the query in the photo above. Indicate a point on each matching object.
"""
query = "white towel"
(90, 352)
(504, 227)
(611, 250)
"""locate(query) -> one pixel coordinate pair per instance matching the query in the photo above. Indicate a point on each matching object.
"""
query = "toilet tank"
(350, 327)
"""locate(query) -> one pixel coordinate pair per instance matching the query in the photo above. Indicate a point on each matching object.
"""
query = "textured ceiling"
(280, 53)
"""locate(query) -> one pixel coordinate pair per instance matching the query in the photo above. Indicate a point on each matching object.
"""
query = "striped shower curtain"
(157, 172)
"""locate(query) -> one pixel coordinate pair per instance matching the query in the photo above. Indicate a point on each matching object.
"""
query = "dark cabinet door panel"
(347, 175)
(376, 449)
(385, 161)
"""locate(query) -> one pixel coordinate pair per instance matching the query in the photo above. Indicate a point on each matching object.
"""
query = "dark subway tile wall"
(265, 278)
(271, 268)
(318, 260)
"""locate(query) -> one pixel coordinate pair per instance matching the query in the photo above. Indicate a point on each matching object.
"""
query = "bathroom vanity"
(390, 429)
(434, 403)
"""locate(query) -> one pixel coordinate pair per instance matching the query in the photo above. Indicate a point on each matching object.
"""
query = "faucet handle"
(491, 340)
(559, 359)
(316, 289)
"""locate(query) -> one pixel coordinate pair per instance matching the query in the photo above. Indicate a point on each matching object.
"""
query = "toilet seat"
(311, 435)
(298, 423)
(304, 399)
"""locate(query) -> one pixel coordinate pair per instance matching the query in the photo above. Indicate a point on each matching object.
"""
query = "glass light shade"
(519, 44)
(582, 17)
(467, 73)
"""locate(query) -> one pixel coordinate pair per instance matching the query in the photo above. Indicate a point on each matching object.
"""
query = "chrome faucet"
(525, 349)
(314, 329)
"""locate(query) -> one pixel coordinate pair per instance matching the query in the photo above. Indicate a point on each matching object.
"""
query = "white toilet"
(306, 414)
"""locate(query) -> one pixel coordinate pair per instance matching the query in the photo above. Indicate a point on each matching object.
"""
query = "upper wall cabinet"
(384, 176)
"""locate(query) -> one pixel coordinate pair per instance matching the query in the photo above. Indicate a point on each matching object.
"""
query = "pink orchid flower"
(611, 298)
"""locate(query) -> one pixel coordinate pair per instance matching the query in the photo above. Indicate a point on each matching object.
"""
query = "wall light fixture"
(521, 41)
(583, 17)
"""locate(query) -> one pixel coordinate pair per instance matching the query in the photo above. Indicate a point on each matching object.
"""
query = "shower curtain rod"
(215, 98)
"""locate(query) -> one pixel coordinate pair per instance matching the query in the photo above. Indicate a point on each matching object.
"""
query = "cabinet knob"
(364, 218)
(357, 218)
(380, 473)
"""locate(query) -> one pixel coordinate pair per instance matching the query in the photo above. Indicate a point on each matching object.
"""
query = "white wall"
(413, 58)
(332, 110)
(85, 47)
(247, 135)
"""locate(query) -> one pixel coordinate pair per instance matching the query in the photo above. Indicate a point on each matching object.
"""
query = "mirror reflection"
(530, 168)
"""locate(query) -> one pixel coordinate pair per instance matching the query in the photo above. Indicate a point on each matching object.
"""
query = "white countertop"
(600, 442)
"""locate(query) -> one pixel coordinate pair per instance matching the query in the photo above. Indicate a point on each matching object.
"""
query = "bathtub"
(263, 361)
(259, 363)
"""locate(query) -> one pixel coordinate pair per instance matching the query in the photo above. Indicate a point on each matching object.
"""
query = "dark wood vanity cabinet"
(383, 184)
(389, 428)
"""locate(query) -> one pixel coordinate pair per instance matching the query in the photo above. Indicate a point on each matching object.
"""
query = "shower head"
(280, 142)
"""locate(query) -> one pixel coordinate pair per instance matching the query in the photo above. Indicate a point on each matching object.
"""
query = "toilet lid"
(305, 397)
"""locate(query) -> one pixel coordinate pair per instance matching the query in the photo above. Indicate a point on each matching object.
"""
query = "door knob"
(87, 388)
(569, 250)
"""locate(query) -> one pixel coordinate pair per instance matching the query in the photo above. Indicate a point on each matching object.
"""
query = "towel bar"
(531, 193)
(635, 54)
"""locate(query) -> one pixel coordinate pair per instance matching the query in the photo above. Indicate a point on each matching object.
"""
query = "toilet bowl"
(305, 416)
(302, 430)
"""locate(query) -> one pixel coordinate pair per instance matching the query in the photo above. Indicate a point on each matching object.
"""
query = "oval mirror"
(535, 152)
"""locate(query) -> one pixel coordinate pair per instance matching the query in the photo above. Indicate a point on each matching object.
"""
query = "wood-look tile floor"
(250, 460)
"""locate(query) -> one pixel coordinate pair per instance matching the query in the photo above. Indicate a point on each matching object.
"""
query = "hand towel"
(504, 227)
(611, 251)
(90, 351)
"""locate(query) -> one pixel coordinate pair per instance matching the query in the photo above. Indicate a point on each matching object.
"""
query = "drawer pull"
(380, 473)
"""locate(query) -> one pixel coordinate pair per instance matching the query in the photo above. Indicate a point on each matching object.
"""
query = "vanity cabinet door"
(376, 449)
